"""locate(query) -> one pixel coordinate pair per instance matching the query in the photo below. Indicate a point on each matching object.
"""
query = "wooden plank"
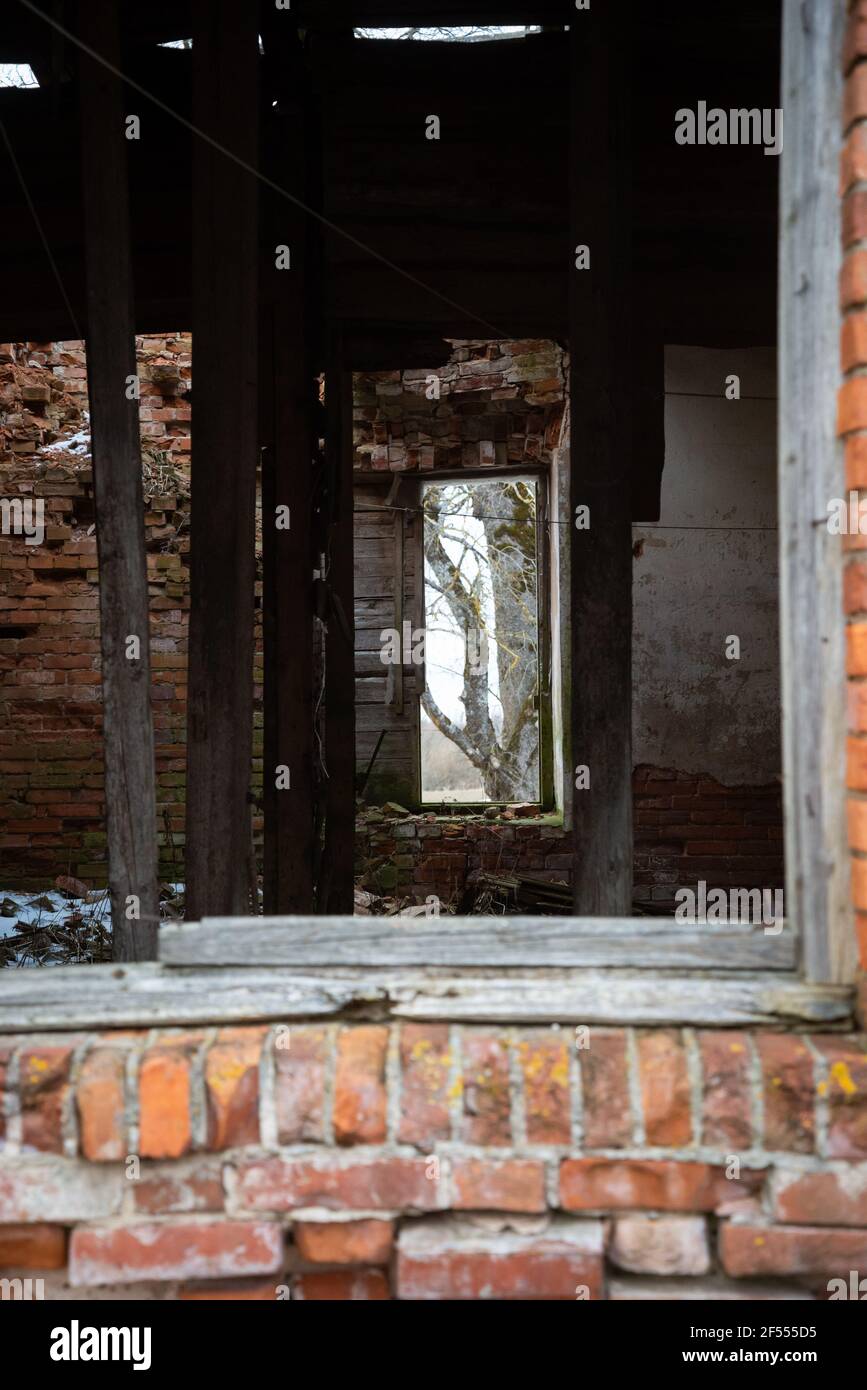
(600, 614)
(811, 473)
(596, 996)
(130, 789)
(396, 687)
(335, 892)
(286, 396)
(375, 613)
(224, 458)
(389, 13)
(377, 553)
(148, 995)
(371, 690)
(455, 942)
(368, 717)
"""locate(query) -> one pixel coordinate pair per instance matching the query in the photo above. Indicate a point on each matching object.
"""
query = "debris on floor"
(69, 924)
(515, 893)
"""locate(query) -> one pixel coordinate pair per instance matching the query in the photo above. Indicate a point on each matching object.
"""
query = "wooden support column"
(601, 552)
(810, 474)
(336, 890)
(225, 441)
(287, 396)
(130, 796)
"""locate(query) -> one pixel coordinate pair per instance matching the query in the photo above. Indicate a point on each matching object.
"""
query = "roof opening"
(17, 75)
(188, 43)
(464, 33)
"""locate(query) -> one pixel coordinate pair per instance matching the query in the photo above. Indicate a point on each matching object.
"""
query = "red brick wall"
(51, 803)
(852, 425)
(424, 1160)
(51, 799)
(500, 404)
(687, 828)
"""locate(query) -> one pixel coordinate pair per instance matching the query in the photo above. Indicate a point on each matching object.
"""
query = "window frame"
(415, 489)
(588, 970)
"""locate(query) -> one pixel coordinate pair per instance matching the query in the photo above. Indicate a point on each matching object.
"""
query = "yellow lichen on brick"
(840, 1074)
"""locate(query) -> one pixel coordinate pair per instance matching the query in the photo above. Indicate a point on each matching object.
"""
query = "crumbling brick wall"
(423, 1160)
(687, 829)
(51, 781)
(500, 404)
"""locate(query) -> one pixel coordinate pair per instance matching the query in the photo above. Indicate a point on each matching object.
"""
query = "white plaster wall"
(694, 710)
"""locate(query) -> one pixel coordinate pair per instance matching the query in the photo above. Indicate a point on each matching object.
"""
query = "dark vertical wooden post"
(225, 440)
(130, 793)
(601, 555)
(336, 890)
(286, 395)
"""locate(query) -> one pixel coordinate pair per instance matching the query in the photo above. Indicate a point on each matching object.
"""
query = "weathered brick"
(605, 1084)
(836, 1198)
(853, 158)
(300, 1084)
(664, 1083)
(512, 1184)
(855, 451)
(38, 1246)
(164, 1102)
(425, 1062)
(661, 1245)
(846, 1090)
(379, 1184)
(5, 1059)
(712, 1289)
(853, 290)
(174, 1250)
(726, 1101)
(600, 1184)
(229, 1291)
(748, 1252)
(232, 1087)
(344, 1242)
(359, 1085)
(44, 1088)
(100, 1100)
(544, 1062)
(191, 1186)
(787, 1079)
(855, 38)
(340, 1285)
(58, 1190)
(487, 1095)
(855, 96)
(455, 1260)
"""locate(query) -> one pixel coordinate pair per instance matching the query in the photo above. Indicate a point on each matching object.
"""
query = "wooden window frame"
(810, 473)
(414, 487)
(603, 970)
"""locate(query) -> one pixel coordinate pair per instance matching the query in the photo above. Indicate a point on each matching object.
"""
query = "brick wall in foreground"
(430, 1161)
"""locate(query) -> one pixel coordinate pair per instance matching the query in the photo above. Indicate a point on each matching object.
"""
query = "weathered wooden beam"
(130, 792)
(601, 543)
(148, 995)
(225, 437)
(335, 892)
(810, 474)
(458, 942)
(286, 404)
